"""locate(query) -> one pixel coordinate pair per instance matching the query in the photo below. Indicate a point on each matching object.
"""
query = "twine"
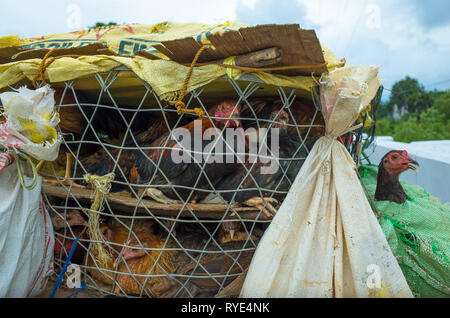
(45, 62)
(101, 185)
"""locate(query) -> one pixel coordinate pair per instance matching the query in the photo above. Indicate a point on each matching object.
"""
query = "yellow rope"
(44, 64)
(265, 69)
(101, 185)
(179, 104)
(181, 107)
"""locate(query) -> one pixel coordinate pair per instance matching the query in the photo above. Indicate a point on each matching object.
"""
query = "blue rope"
(83, 286)
(63, 271)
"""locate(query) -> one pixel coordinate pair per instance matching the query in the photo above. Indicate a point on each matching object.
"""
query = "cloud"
(399, 43)
(433, 13)
(385, 33)
(405, 37)
(271, 11)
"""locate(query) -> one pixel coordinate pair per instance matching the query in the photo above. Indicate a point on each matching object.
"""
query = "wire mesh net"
(416, 231)
(147, 232)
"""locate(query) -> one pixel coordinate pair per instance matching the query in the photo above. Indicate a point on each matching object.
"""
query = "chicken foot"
(158, 196)
(266, 204)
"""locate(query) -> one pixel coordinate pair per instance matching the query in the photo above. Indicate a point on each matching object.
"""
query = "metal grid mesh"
(193, 241)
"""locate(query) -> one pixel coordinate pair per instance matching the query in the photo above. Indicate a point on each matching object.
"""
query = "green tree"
(442, 104)
(401, 92)
(428, 118)
(101, 24)
(383, 110)
(418, 102)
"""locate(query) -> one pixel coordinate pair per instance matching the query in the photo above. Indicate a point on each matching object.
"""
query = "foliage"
(101, 24)
(383, 110)
(430, 124)
(442, 104)
(406, 93)
(428, 116)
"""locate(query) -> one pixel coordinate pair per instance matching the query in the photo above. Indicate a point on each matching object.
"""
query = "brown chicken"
(109, 127)
(139, 261)
(389, 169)
(140, 166)
(253, 186)
(134, 256)
(107, 121)
(133, 264)
(303, 119)
(211, 268)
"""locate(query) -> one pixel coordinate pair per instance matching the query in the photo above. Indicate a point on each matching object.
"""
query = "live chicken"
(169, 179)
(389, 169)
(255, 183)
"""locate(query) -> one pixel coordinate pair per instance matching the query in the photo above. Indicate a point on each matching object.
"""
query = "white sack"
(32, 119)
(324, 238)
(26, 237)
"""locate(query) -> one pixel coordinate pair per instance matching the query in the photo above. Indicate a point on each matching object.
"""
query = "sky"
(404, 37)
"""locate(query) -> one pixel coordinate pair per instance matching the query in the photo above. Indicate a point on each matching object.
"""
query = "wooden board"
(299, 47)
(128, 205)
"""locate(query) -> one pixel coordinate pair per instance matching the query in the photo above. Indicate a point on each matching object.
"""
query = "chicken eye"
(394, 157)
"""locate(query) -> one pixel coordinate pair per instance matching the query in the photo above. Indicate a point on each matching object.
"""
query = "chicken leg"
(263, 203)
(158, 196)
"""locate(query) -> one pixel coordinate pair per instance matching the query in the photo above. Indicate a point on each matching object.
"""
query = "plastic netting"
(180, 248)
(417, 232)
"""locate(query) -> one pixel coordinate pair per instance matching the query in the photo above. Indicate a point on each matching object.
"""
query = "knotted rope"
(101, 185)
(179, 105)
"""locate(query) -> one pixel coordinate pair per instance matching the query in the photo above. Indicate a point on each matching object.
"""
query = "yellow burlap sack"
(165, 77)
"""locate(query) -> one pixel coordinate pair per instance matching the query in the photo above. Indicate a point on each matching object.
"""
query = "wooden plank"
(300, 47)
(263, 36)
(285, 36)
(183, 50)
(230, 43)
(312, 46)
(261, 58)
(129, 205)
(7, 52)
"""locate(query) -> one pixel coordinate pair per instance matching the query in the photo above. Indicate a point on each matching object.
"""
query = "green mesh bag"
(417, 232)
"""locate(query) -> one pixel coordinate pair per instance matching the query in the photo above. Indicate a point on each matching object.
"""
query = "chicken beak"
(413, 165)
(237, 122)
(231, 234)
